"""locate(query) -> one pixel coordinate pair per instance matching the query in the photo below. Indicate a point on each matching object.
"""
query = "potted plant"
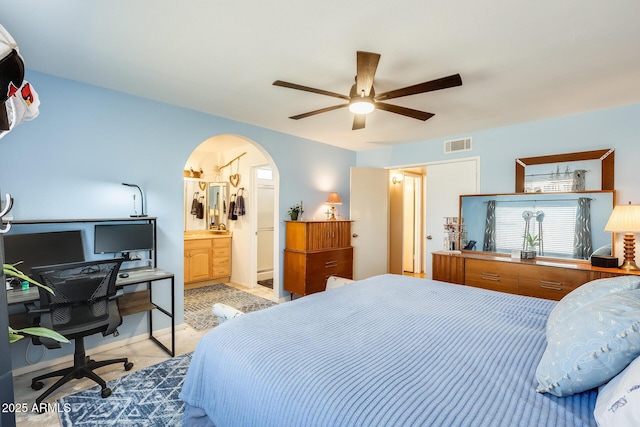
(18, 334)
(295, 211)
(530, 244)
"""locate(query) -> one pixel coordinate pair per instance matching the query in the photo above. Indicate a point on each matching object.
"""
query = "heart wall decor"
(234, 179)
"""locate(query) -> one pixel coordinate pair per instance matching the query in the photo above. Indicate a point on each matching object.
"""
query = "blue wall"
(617, 128)
(71, 160)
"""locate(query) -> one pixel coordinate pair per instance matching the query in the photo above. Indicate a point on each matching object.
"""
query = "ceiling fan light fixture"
(361, 105)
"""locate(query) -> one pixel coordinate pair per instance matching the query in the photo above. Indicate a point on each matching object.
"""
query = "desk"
(129, 303)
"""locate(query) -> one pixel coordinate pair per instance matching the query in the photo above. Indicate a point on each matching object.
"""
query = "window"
(559, 216)
(264, 173)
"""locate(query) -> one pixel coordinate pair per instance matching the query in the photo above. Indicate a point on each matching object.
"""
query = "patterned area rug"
(198, 303)
(146, 398)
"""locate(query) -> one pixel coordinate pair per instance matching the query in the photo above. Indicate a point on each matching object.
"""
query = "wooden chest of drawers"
(549, 282)
(493, 275)
(314, 251)
(536, 278)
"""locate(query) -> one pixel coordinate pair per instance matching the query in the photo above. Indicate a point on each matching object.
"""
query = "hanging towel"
(199, 210)
(232, 208)
(239, 208)
(194, 206)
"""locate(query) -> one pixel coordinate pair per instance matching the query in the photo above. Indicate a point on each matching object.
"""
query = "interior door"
(445, 182)
(369, 213)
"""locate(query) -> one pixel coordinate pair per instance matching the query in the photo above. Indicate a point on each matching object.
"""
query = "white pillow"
(618, 402)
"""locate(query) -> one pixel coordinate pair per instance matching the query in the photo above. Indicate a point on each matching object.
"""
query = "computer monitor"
(123, 238)
(37, 249)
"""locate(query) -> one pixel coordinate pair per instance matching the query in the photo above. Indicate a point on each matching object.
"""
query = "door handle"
(429, 237)
(354, 235)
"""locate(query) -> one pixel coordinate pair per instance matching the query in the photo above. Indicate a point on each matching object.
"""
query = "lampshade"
(624, 219)
(333, 199)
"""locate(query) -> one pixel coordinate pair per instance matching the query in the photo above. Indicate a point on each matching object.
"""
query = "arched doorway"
(231, 160)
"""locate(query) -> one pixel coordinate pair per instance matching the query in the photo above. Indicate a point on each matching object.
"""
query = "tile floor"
(142, 354)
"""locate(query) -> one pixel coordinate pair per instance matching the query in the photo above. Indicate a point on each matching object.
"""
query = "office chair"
(85, 303)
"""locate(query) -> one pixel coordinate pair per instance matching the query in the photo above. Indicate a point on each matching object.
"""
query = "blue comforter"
(385, 351)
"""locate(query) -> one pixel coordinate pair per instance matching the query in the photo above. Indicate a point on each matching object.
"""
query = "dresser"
(207, 257)
(315, 250)
(536, 278)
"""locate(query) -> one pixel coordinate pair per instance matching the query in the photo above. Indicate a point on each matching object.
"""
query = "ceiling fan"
(363, 99)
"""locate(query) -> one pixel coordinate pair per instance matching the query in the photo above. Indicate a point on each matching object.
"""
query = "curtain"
(578, 180)
(490, 228)
(582, 240)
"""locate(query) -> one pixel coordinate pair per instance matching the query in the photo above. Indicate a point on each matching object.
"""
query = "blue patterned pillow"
(591, 345)
(588, 293)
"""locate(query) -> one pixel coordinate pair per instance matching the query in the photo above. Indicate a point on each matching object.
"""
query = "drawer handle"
(490, 276)
(329, 264)
(550, 285)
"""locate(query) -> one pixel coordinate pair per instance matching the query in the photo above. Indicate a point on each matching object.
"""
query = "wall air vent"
(456, 145)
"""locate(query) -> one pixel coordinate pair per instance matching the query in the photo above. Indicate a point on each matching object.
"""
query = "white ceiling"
(519, 60)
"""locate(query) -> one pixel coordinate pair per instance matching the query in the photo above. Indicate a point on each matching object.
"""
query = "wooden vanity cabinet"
(207, 259)
(314, 251)
(198, 259)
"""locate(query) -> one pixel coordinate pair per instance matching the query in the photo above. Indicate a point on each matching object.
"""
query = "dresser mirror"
(563, 225)
(581, 171)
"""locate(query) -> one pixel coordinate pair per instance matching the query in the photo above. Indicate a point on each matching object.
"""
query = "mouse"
(123, 275)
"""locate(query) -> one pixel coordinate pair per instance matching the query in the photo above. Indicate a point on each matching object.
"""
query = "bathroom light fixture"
(626, 219)
(333, 200)
(142, 215)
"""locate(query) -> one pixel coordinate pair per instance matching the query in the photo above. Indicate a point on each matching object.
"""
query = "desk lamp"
(141, 201)
(333, 200)
(626, 219)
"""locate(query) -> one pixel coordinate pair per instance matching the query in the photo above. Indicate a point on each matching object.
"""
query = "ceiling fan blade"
(443, 83)
(309, 89)
(367, 66)
(358, 121)
(322, 110)
(404, 111)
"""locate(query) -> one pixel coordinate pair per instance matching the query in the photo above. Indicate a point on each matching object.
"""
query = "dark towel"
(239, 208)
(199, 210)
(194, 206)
(232, 208)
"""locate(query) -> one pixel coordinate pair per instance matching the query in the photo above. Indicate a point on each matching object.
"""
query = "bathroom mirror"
(218, 204)
(555, 218)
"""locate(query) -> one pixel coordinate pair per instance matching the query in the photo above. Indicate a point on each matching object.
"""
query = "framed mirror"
(567, 225)
(566, 166)
(218, 204)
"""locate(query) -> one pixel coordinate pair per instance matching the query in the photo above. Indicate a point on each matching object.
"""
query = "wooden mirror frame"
(606, 156)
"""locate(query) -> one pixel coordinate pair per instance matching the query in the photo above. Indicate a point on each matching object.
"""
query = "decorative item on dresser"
(626, 219)
(333, 200)
(536, 278)
(314, 251)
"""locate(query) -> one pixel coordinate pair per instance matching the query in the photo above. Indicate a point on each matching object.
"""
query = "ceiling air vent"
(456, 145)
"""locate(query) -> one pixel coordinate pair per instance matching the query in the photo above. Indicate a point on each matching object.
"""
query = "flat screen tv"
(123, 238)
(38, 249)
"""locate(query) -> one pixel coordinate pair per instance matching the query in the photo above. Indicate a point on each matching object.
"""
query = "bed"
(385, 351)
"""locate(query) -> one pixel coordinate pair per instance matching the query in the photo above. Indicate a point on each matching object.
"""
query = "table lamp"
(626, 219)
(333, 200)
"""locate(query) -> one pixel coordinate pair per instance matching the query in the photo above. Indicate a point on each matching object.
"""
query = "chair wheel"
(106, 392)
(128, 366)
(37, 385)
